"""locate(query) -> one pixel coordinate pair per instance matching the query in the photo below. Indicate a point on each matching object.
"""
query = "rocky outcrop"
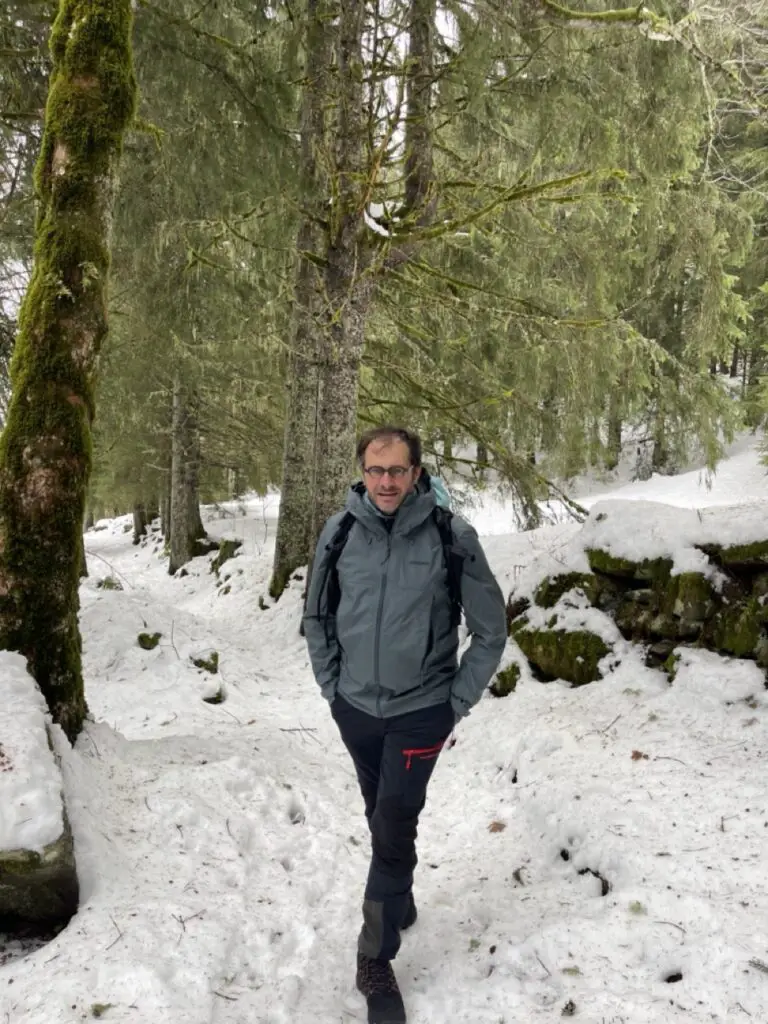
(701, 593)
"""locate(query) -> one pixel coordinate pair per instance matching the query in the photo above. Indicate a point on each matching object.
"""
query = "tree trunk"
(186, 527)
(293, 544)
(165, 515)
(348, 286)
(45, 449)
(294, 526)
(734, 369)
(322, 418)
(660, 456)
(615, 425)
(139, 522)
(89, 519)
(482, 460)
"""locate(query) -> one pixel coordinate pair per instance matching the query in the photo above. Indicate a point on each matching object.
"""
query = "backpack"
(453, 557)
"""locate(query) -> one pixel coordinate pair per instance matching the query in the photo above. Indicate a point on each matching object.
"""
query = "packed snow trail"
(579, 847)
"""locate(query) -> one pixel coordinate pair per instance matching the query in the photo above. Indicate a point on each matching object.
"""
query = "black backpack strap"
(454, 560)
(330, 581)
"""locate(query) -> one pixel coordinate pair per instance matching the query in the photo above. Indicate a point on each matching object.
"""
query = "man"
(382, 628)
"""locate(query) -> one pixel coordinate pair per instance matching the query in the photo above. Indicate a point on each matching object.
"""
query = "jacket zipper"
(377, 638)
(423, 754)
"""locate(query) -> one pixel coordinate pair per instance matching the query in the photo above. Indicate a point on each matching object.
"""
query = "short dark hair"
(391, 432)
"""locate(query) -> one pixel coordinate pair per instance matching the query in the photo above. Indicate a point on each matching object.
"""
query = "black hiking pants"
(394, 758)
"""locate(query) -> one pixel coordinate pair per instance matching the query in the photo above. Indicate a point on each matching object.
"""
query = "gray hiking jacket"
(392, 648)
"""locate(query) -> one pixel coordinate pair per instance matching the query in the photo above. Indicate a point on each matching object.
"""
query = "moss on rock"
(209, 664)
(148, 641)
(670, 665)
(40, 887)
(227, 549)
(737, 628)
(516, 606)
(550, 590)
(739, 556)
(558, 654)
(506, 681)
(647, 570)
(691, 597)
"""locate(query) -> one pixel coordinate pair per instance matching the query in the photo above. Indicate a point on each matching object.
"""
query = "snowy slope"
(223, 849)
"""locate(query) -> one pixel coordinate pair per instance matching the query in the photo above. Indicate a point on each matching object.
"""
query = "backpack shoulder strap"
(453, 557)
(330, 582)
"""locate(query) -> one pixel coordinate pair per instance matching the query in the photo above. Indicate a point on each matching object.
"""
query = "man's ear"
(417, 474)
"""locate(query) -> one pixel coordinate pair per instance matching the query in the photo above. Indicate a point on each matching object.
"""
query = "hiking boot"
(377, 981)
(410, 914)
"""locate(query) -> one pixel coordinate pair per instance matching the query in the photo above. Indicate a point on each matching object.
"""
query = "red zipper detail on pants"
(423, 753)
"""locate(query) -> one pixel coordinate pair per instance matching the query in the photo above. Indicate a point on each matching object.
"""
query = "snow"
(222, 848)
(30, 783)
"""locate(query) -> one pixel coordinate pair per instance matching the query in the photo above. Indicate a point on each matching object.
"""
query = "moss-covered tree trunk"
(45, 449)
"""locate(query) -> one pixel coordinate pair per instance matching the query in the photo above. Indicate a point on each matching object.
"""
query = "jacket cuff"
(460, 709)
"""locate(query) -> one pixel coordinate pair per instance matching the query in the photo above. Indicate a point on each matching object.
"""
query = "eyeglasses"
(395, 472)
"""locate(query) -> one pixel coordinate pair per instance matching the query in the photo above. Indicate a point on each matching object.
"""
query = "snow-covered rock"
(38, 877)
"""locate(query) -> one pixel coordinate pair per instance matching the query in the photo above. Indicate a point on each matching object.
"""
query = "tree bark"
(482, 460)
(45, 449)
(186, 527)
(734, 368)
(613, 447)
(293, 545)
(165, 515)
(139, 522)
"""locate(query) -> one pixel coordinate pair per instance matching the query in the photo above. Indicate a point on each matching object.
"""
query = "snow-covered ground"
(598, 852)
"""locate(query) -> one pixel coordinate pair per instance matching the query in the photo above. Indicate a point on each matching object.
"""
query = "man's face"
(388, 474)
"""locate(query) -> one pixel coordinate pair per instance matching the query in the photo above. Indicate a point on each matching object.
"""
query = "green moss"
(45, 448)
(40, 887)
(148, 641)
(670, 665)
(209, 664)
(216, 698)
(109, 583)
(227, 549)
(550, 590)
(516, 606)
(650, 569)
(557, 654)
(506, 681)
(744, 556)
(690, 597)
(737, 628)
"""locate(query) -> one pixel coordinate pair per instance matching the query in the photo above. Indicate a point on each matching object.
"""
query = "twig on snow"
(549, 973)
(173, 645)
(112, 569)
(672, 925)
(119, 933)
(760, 965)
(602, 731)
